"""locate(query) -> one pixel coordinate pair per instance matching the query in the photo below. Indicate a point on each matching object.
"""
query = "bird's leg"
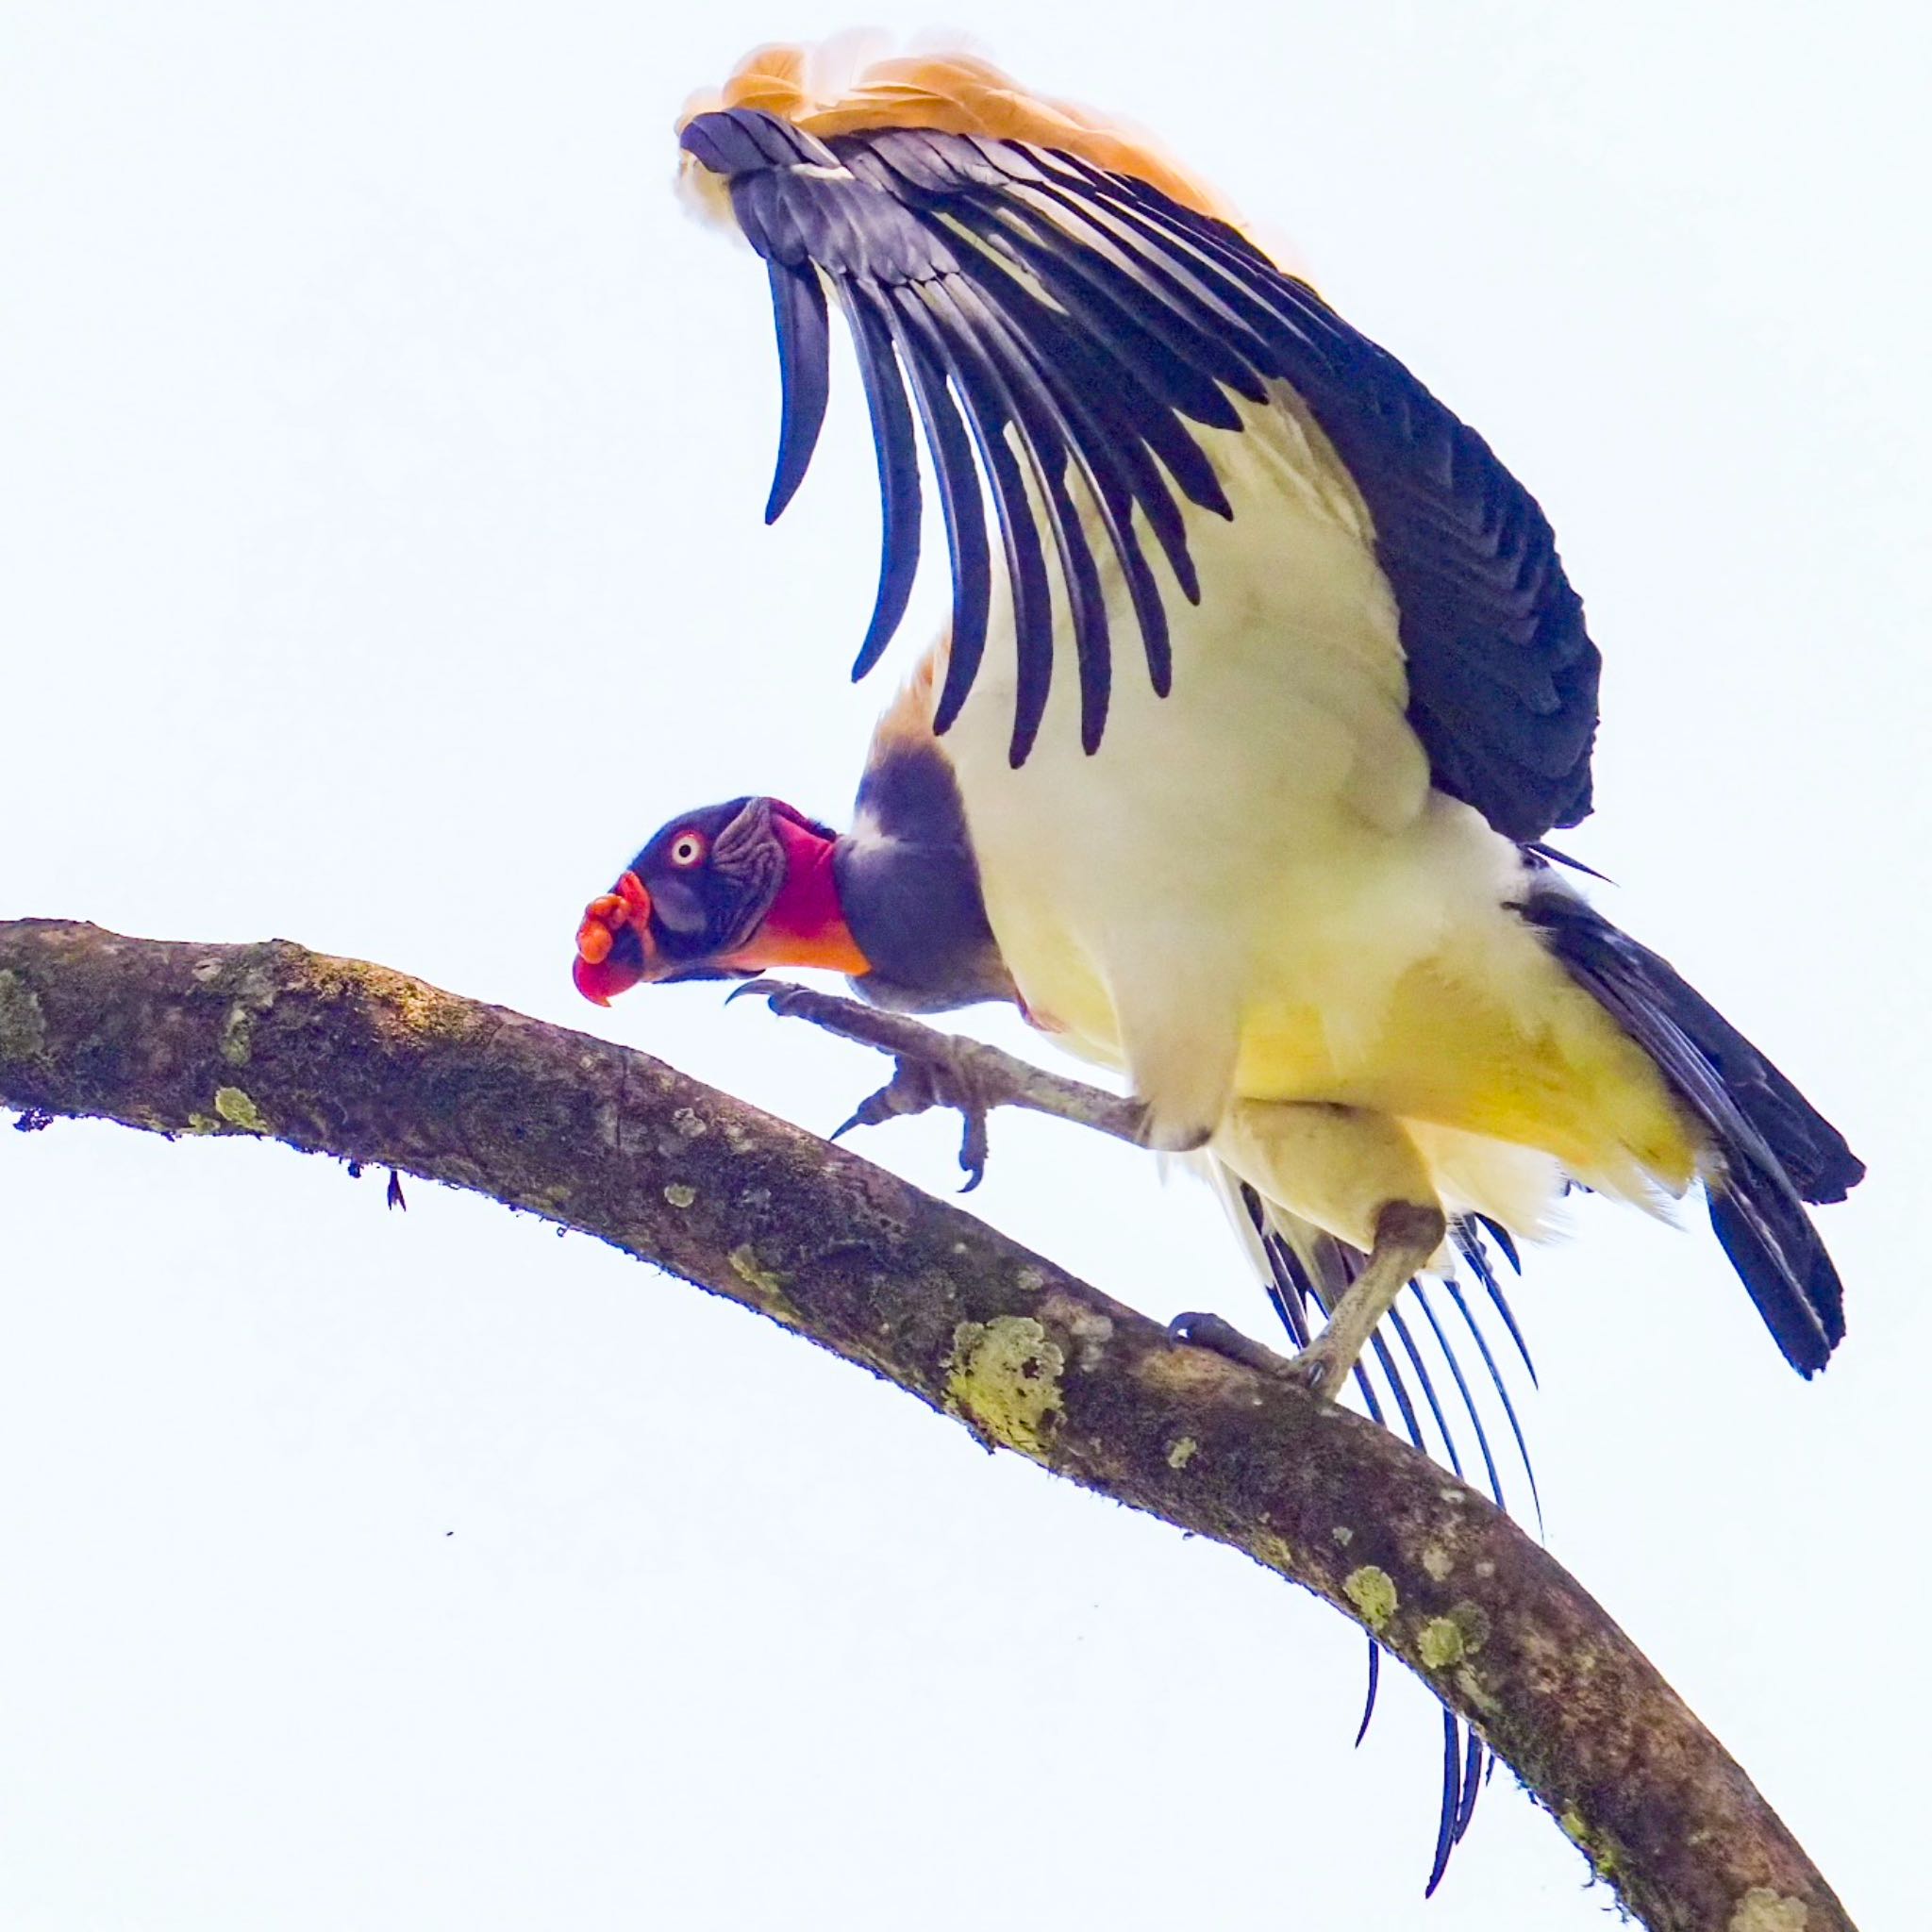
(935, 1069)
(1407, 1233)
(1355, 1172)
(1183, 1077)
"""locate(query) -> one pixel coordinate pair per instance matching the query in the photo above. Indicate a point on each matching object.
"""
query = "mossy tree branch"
(334, 1056)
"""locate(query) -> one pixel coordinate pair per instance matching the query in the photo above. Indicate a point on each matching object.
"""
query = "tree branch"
(335, 1057)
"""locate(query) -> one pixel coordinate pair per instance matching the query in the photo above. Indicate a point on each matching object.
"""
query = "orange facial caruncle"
(600, 977)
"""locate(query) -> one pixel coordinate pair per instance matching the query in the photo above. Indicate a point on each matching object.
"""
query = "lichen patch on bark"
(1440, 1646)
(767, 1287)
(1372, 1590)
(1003, 1376)
(239, 1110)
(1763, 1910)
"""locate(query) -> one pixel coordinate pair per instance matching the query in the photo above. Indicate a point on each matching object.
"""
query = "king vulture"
(1262, 687)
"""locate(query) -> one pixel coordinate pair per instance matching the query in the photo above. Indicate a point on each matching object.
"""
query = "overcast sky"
(381, 456)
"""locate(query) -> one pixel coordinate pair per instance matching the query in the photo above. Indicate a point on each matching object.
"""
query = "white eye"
(688, 848)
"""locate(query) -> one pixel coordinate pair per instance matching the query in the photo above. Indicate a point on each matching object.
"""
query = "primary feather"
(1067, 330)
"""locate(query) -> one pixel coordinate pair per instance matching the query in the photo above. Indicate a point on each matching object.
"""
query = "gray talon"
(1311, 1371)
(924, 1081)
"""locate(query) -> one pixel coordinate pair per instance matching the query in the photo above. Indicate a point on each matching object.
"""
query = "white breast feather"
(1265, 838)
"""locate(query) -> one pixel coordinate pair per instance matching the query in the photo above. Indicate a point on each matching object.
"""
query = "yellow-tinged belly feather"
(1573, 1086)
(1550, 1070)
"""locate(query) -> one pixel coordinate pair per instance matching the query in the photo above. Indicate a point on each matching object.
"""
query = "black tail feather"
(1305, 1284)
(1775, 1150)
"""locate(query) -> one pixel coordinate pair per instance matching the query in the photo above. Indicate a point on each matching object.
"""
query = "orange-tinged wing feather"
(955, 94)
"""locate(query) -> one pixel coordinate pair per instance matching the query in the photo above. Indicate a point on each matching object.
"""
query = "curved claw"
(1316, 1369)
(918, 1085)
(972, 1147)
(781, 995)
(777, 993)
(1218, 1336)
(941, 1075)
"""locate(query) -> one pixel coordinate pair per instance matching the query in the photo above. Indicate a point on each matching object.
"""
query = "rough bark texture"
(335, 1057)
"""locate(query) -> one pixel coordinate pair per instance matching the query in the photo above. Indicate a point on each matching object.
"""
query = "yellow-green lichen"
(1372, 1590)
(1762, 1910)
(1443, 1643)
(399, 1007)
(1475, 1688)
(1271, 1550)
(1605, 1854)
(237, 1035)
(767, 1289)
(1342, 1535)
(1437, 1561)
(1440, 1646)
(1004, 1377)
(23, 1025)
(239, 1110)
(1182, 1453)
(679, 1196)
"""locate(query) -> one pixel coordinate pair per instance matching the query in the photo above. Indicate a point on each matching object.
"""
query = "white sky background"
(381, 456)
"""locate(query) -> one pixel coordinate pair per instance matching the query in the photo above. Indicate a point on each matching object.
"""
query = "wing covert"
(1058, 333)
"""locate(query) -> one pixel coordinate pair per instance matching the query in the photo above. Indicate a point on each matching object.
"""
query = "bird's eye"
(688, 849)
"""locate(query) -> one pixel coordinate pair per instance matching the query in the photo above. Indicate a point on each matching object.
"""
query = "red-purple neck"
(806, 925)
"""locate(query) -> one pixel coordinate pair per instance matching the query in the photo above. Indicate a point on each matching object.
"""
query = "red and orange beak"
(615, 947)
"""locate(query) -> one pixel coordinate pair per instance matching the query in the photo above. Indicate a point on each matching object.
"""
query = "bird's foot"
(1220, 1336)
(1313, 1368)
(934, 1069)
(1319, 1369)
(938, 1076)
(929, 1068)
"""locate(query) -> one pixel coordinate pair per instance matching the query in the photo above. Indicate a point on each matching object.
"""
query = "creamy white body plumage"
(1252, 900)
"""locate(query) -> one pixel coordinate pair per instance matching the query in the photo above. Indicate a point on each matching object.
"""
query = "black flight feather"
(924, 358)
(798, 310)
(898, 462)
(1775, 1151)
(1080, 328)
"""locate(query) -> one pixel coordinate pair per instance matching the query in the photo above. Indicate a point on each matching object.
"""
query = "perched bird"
(1233, 767)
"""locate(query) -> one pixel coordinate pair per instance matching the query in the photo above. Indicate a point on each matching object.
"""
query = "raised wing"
(1056, 328)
